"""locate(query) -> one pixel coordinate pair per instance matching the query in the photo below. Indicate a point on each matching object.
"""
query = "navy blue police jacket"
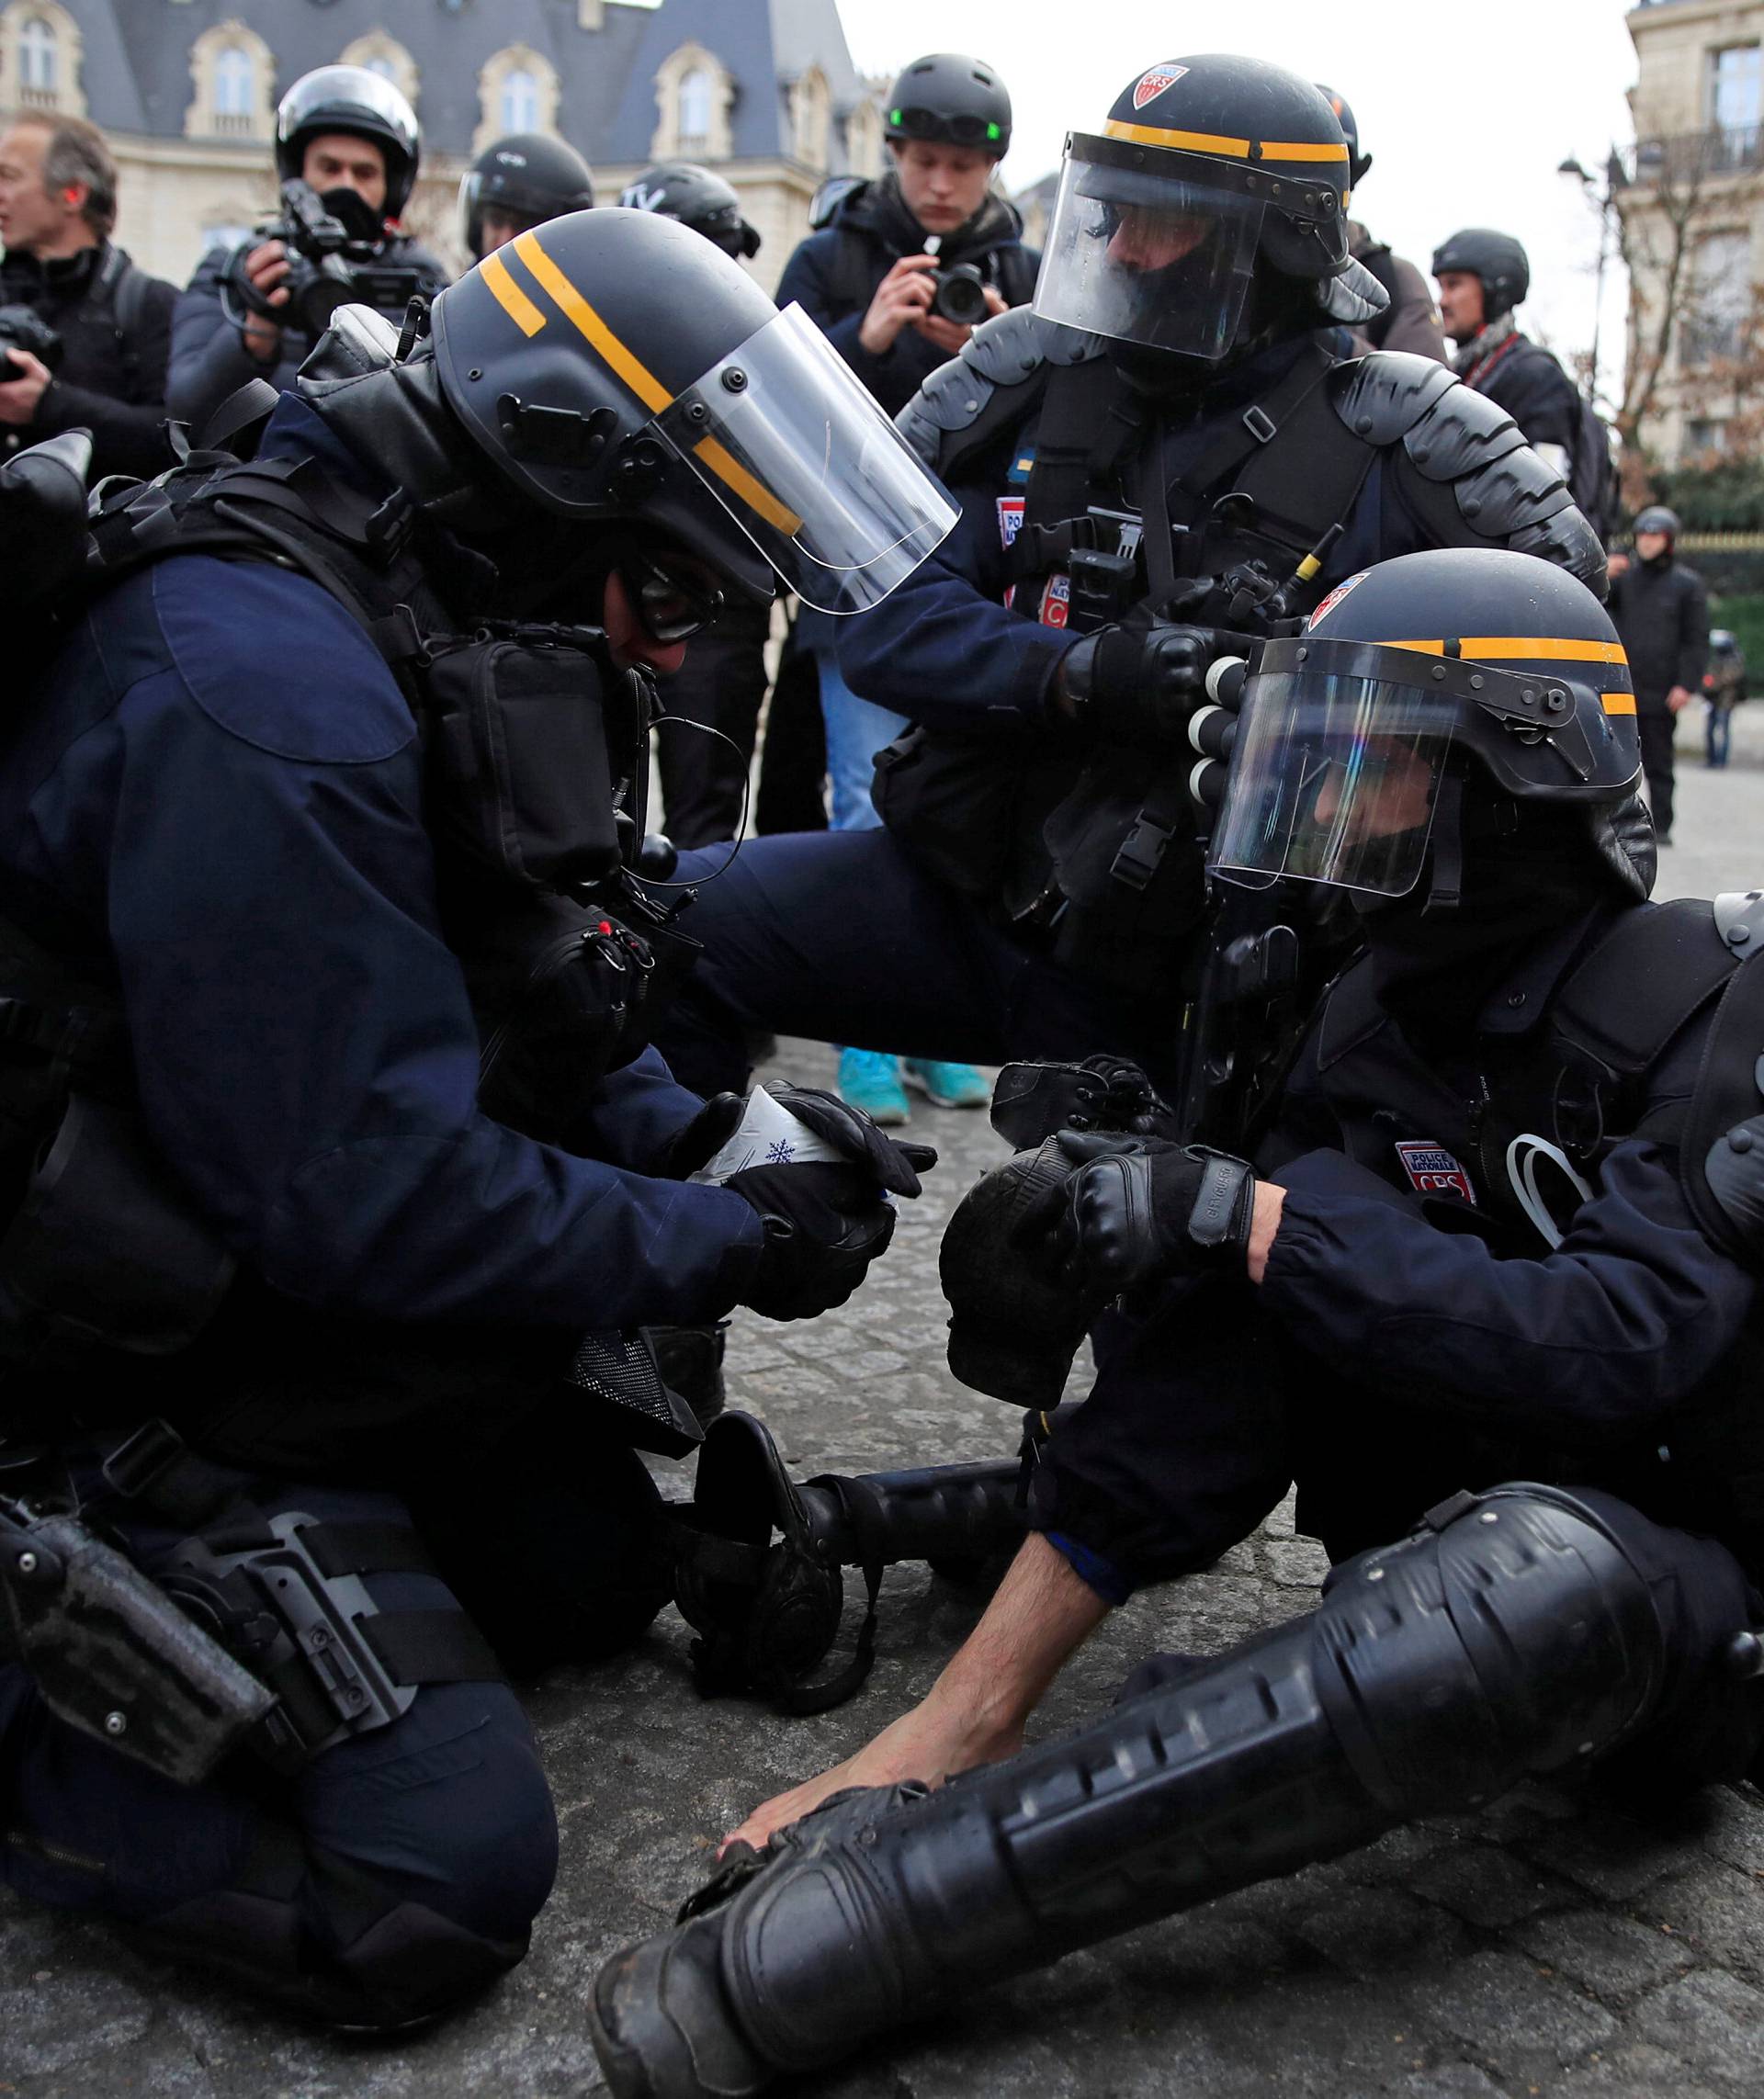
(217, 794)
(1415, 1332)
(945, 650)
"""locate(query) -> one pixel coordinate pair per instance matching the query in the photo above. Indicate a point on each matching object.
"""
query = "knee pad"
(1512, 1634)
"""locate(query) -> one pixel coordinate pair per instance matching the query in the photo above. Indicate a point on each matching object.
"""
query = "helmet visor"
(1333, 780)
(799, 455)
(1140, 252)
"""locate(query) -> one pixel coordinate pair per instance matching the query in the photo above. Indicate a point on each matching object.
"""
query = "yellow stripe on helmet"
(1539, 649)
(1619, 702)
(509, 296)
(575, 309)
(1211, 142)
(643, 382)
(752, 491)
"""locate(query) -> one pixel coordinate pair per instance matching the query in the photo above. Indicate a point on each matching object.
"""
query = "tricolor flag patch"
(1151, 85)
(1432, 1170)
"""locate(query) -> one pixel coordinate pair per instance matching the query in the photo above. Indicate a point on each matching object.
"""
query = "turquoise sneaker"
(947, 1085)
(870, 1079)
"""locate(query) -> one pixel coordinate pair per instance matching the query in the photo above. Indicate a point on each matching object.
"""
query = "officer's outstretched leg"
(767, 1609)
(393, 1875)
(1526, 1630)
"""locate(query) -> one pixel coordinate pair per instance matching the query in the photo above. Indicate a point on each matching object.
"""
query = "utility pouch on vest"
(1126, 860)
(530, 741)
(952, 803)
(574, 994)
(105, 1248)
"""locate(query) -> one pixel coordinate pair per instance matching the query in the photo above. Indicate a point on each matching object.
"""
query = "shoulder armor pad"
(1500, 496)
(1566, 539)
(1460, 431)
(1739, 919)
(1382, 396)
(1007, 350)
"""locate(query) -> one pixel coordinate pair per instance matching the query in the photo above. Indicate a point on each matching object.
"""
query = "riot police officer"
(1480, 1268)
(352, 138)
(330, 990)
(1158, 450)
(518, 182)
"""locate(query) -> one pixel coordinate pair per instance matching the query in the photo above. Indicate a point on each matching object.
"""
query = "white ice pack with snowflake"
(768, 1135)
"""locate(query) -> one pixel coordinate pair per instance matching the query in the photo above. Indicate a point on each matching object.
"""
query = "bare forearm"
(1042, 1614)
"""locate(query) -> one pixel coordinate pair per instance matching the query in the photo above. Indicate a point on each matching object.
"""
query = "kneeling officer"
(313, 923)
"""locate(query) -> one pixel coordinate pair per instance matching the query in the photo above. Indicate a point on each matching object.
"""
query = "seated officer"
(359, 1190)
(1160, 450)
(1480, 1246)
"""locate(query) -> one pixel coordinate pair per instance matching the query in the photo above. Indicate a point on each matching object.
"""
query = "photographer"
(898, 278)
(84, 332)
(349, 141)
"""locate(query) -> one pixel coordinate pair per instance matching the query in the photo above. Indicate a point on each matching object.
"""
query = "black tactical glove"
(1141, 1210)
(849, 1130)
(699, 1141)
(1134, 685)
(1032, 1102)
(1015, 1324)
(824, 1224)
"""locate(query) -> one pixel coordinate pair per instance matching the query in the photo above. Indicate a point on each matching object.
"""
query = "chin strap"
(1446, 889)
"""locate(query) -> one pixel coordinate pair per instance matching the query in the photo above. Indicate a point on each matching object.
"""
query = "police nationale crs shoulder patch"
(1151, 85)
(1335, 596)
(1432, 1170)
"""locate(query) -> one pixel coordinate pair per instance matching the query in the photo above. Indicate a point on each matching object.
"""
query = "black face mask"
(1528, 869)
(353, 212)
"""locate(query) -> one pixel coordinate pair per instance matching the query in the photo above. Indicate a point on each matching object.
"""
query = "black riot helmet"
(1463, 671)
(350, 99)
(613, 366)
(1496, 259)
(1212, 176)
(950, 100)
(1359, 164)
(1657, 518)
(697, 197)
(526, 177)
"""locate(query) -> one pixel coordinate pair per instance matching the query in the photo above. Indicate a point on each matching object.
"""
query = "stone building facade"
(762, 90)
(1693, 219)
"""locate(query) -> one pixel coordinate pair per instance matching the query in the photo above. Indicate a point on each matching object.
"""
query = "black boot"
(767, 1609)
(1515, 1635)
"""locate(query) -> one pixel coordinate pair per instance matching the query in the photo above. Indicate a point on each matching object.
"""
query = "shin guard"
(1512, 1634)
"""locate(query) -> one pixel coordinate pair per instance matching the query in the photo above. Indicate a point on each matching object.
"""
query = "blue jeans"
(856, 730)
(1719, 733)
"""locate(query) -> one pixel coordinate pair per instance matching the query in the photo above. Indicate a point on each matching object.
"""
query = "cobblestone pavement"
(1544, 1946)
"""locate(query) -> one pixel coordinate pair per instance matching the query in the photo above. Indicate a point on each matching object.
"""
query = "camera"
(22, 328)
(333, 245)
(960, 296)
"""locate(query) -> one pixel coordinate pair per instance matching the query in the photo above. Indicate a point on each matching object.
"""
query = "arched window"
(235, 89)
(382, 65)
(38, 61)
(520, 106)
(694, 111)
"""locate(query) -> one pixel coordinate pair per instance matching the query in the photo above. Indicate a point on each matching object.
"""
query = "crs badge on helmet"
(1152, 84)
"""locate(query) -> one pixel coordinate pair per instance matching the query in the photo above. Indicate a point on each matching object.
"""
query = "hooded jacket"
(1662, 612)
(873, 223)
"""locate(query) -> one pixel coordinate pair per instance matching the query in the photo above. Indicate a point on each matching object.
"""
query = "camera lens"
(960, 296)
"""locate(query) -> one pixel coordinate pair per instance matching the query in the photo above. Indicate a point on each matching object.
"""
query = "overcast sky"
(1466, 111)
